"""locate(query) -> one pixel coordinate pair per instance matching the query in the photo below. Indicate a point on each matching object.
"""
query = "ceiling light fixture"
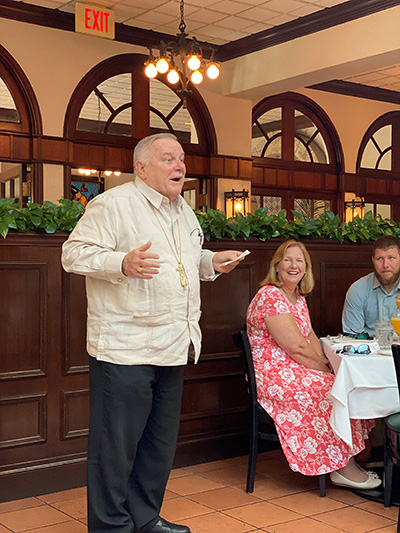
(190, 56)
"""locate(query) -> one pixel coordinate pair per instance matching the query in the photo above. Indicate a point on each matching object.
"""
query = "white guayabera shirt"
(131, 320)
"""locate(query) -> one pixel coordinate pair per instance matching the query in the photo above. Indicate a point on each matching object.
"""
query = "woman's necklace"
(180, 268)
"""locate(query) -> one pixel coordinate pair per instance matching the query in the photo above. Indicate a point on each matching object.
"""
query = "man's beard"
(394, 278)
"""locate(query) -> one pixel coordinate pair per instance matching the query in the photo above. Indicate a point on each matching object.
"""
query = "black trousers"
(134, 422)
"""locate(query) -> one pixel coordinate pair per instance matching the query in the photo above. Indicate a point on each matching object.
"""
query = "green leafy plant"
(264, 226)
(47, 217)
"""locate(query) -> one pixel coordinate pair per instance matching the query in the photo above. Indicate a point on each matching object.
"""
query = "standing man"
(372, 298)
(139, 247)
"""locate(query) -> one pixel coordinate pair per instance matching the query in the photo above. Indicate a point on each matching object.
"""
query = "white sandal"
(372, 482)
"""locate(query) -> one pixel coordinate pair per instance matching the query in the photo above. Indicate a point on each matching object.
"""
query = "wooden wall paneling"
(271, 176)
(331, 182)
(21, 148)
(216, 166)
(283, 178)
(52, 150)
(257, 176)
(5, 146)
(245, 168)
(352, 183)
(23, 420)
(224, 305)
(306, 180)
(114, 158)
(23, 319)
(231, 167)
(97, 156)
(74, 413)
(47, 452)
(75, 356)
(200, 166)
(336, 278)
(80, 154)
(377, 186)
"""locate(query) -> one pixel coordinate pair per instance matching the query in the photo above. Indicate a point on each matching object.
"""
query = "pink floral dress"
(296, 397)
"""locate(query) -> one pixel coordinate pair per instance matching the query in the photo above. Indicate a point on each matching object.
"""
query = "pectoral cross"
(182, 275)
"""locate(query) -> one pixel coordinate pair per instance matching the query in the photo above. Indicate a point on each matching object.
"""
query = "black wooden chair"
(392, 441)
(261, 425)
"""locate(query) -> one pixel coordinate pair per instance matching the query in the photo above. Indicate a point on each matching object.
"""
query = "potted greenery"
(49, 217)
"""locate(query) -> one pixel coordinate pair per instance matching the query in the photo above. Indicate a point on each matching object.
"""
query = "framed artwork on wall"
(84, 191)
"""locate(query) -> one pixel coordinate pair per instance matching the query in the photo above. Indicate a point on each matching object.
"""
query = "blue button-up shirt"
(366, 302)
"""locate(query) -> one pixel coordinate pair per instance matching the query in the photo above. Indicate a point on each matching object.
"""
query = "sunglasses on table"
(362, 349)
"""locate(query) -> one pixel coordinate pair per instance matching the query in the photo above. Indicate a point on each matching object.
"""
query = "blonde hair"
(306, 284)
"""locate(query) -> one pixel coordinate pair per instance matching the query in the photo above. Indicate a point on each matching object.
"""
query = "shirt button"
(119, 280)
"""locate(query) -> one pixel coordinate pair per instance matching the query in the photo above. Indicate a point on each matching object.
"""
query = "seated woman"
(294, 378)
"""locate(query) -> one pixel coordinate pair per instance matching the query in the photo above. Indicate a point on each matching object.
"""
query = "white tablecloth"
(365, 387)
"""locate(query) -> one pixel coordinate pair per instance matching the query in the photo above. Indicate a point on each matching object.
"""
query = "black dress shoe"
(162, 526)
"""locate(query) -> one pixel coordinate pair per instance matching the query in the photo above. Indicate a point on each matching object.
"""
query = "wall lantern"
(236, 202)
(354, 208)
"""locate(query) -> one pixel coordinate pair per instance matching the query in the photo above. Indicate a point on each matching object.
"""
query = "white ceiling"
(217, 22)
(221, 21)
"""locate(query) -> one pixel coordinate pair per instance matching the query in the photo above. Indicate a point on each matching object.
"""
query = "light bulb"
(173, 76)
(117, 172)
(196, 77)
(87, 172)
(194, 62)
(81, 170)
(108, 172)
(93, 171)
(162, 65)
(213, 71)
(238, 206)
(150, 70)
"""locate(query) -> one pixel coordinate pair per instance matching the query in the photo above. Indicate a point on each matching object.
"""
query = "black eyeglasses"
(362, 349)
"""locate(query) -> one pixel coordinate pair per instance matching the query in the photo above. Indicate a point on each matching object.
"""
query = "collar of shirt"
(376, 285)
(156, 199)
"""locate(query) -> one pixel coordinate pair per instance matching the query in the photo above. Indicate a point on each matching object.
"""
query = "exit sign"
(94, 20)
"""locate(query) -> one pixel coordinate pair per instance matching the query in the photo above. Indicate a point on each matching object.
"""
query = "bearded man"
(373, 298)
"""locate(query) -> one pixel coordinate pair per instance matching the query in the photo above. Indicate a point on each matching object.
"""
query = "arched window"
(378, 162)
(297, 156)
(116, 104)
(19, 121)
(378, 148)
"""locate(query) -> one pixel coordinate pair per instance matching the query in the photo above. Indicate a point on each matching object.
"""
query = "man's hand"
(138, 264)
(228, 255)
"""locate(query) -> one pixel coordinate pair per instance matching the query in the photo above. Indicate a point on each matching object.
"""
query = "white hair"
(142, 148)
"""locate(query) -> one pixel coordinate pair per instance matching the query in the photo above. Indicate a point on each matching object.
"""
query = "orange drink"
(395, 320)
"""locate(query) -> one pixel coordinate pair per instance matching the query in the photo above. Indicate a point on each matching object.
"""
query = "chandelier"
(189, 56)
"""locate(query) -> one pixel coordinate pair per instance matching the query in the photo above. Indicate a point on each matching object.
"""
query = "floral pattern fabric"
(296, 397)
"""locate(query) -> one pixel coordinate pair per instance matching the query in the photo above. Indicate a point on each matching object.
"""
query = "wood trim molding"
(358, 90)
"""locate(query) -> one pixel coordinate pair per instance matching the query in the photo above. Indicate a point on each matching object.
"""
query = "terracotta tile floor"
(211, 498)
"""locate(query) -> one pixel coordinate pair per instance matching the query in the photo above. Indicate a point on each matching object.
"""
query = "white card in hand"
(246, 252)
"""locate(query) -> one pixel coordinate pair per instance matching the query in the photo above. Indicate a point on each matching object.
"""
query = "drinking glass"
(384, 334)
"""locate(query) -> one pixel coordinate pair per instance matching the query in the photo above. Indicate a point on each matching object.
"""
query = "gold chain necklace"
(180, 268)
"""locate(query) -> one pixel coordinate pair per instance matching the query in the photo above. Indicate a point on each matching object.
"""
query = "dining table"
(365, 385)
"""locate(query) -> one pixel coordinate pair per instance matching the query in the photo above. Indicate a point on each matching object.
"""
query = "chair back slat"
(241, 340)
